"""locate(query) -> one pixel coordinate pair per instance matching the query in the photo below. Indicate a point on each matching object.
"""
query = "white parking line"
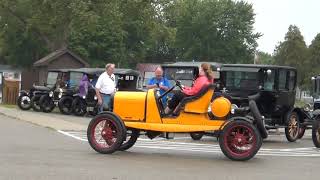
(203, 148)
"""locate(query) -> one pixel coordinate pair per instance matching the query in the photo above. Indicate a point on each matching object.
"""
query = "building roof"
(54, 55)
(5, 68)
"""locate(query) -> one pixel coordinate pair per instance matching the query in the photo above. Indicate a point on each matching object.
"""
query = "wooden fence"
(10, 91)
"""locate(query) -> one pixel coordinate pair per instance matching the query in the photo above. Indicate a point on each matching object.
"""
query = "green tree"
(215, 30)
(294, 52)
(264, 58)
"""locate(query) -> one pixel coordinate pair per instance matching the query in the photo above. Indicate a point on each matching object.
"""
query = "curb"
(41, 120)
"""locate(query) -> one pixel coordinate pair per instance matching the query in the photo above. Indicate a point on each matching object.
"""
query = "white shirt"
(106, 83)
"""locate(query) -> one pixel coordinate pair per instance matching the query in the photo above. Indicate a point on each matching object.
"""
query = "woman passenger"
(205, 78)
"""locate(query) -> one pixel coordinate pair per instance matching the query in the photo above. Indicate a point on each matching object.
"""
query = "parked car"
(126, 80)
(61, 94)
(136, 112)
(30, 99)
(271, 88)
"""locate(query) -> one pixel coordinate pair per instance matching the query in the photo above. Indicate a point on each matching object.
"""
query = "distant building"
(59, 59)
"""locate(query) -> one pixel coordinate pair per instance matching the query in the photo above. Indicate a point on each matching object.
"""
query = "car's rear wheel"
(79, 107)
(35, 103)
(316, 133)
(196, 135)
(302, 130)
(240, 140)
(65, 105)
(292, 127)
(46, 103)
(105, 133)
(24, 102)
(132, 136)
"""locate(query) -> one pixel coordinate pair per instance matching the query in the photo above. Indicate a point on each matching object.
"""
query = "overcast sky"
(273, 18)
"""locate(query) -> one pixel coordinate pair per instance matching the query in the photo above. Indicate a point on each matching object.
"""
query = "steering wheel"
(178, 83)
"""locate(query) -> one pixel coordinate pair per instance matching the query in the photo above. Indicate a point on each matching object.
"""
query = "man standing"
(105, 87)
(159, 82)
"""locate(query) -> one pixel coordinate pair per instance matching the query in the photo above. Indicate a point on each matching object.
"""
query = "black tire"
(65, 105)
(292, 127)
(46, 103)
(132, 136)
(24, 102)
(316, 133)
(114, 129)
(94, 112)
(196, 135)
(232, 132)
(35, 103)
(302, 130)
(79, 107)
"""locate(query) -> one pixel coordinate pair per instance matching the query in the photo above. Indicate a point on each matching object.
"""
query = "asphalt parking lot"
(36, 152)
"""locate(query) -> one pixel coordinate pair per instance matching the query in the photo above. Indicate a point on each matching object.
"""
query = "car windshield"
(179, 73)
(241, 80)
(52, 78)
(75, 78)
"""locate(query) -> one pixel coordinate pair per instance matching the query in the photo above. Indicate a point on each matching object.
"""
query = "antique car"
(273, 89)
(316, 131)
(30, 99)
(61, 94)
(136, 113)
(126, 80)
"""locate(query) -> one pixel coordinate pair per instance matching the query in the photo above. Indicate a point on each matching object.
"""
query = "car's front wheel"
(196, 135)
(24, 102)
(240, 140)
(292, 129)
(35, 103)
(79, 107)
(46, 103)
(316, 133)
(105, 133)
(65, 105)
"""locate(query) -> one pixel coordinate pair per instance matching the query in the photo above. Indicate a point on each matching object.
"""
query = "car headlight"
(83, 97)
(233, 108)
(60, 95)
(95, 97)
(50, 94)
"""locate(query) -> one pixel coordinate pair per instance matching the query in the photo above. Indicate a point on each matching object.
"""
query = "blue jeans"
(105, 102)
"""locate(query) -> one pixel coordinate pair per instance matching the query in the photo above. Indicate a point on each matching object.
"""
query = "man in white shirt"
(105, 87)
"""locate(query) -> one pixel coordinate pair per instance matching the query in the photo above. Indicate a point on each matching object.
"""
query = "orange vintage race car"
(137, 113)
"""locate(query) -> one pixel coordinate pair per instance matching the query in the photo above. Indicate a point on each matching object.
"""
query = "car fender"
(301, 113)
(23, 93)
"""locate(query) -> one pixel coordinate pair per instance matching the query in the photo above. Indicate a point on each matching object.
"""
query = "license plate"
(56, 103)
(90, 108)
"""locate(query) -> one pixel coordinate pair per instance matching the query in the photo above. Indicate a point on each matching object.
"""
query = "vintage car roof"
(126, 72)
(258, 66)
(61, 70)
(117, 71)
(89, 70)
(190, 64)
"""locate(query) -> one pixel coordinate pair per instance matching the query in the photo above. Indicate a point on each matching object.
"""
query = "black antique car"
(61, 94)
(271, 88)
(126, 80)
(30, 99)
